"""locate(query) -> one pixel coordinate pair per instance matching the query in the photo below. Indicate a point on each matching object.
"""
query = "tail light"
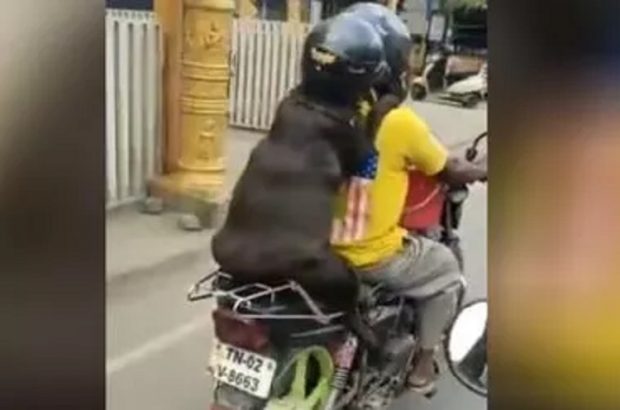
(246, 334)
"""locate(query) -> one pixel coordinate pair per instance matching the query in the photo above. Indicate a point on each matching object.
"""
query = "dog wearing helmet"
(280, 215)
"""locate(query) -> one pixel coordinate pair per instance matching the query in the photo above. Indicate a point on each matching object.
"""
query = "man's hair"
(382, 107)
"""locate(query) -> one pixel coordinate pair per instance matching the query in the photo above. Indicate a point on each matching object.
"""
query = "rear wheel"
(471, 100)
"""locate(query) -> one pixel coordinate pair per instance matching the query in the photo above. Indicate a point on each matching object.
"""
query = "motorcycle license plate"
(247, 371)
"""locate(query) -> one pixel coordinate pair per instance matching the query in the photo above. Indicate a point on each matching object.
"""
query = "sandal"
(426, 387)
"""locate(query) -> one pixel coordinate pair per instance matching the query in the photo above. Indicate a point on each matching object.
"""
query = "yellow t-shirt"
(368, 210)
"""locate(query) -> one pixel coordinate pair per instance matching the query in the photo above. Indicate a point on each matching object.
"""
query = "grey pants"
(427, 272)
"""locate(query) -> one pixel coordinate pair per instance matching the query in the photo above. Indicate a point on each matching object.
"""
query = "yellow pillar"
(196, 180)
(170, 15)
(247, 9)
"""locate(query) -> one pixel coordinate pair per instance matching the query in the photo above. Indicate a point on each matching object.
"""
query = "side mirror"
(466, 347)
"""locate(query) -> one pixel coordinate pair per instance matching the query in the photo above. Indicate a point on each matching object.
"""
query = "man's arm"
(459, 171)
(411, 137)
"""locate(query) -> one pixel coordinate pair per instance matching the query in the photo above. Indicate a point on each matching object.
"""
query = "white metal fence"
(265, 63)
(133, 103)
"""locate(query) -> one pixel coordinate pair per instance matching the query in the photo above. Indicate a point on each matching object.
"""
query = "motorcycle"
(470, 91)
(442, 77)
(432, 77)
(277, 348)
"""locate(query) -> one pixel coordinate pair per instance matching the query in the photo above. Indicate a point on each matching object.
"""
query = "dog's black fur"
(280, 216)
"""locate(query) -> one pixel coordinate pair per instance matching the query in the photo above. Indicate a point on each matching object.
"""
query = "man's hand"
(482, 163)
(459, 171)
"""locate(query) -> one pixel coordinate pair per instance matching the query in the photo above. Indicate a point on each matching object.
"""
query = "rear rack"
(245, 295)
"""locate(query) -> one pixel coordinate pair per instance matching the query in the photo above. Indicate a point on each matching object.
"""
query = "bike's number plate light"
(244, 370)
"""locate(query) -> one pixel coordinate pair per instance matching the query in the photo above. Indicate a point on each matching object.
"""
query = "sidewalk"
(139, 244)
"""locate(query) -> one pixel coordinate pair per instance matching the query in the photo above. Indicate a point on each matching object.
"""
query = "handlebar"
(457, 192)
(472, 151)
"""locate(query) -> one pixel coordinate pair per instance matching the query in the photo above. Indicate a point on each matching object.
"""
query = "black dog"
(280, 217)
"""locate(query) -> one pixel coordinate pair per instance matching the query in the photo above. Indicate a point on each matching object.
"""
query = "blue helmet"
(396, 41)
(342, 57)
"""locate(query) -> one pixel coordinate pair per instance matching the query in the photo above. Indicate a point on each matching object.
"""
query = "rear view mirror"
(466, 347)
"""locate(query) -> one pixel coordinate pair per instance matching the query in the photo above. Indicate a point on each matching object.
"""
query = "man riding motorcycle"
(366, 228)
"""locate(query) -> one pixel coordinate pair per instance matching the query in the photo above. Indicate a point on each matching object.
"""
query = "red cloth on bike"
(424, 203)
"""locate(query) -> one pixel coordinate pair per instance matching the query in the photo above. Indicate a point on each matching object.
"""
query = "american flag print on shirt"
(352, 212)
